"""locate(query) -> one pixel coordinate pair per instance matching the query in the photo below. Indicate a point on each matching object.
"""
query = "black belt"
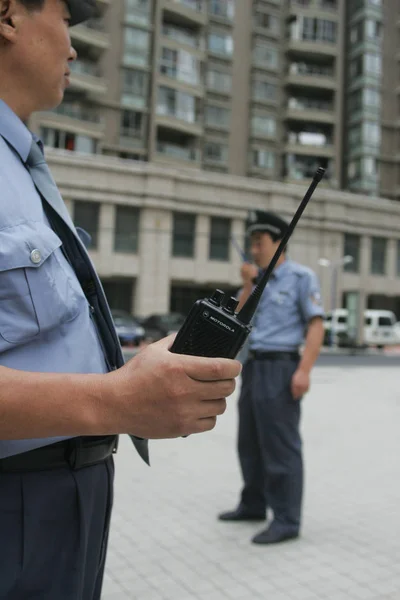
(74, 453)
(259, 355)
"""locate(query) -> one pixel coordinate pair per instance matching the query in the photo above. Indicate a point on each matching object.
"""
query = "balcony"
(85, 77)
(178, 121)
(131, 140)
(187, 80)
(168, 152)
(310, 110)
(181, 35)
(91, 34)
(186, 12)
(299, 168)
(223, 11)
(321, 6)
(311, 48)
(308, 75)
(178, 111)
(74, 118)
(310, 144)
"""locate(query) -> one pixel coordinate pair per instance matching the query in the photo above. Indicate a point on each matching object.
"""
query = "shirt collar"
(281, 269)
(14, 131)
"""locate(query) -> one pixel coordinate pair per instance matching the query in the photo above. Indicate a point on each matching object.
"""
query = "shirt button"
(36, 257)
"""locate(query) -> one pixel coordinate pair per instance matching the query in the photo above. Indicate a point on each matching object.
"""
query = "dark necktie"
(45, 183)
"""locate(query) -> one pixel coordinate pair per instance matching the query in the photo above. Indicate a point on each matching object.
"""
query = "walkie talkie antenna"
(249, 308)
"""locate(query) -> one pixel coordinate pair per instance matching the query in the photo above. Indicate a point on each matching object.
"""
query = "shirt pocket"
(36, 292)
(284, 299)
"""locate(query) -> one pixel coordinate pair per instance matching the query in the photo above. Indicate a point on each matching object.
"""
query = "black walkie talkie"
(213, 328)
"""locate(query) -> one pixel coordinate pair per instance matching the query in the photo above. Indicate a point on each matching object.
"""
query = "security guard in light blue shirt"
(274, 379)
(46, 326)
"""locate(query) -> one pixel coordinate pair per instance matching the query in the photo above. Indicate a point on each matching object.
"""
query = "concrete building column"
(391, 259)
(365, 267)
(201, 245)
(107, 230)
(152, 293)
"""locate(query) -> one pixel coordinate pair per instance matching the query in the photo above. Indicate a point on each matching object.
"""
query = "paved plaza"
(166, 543)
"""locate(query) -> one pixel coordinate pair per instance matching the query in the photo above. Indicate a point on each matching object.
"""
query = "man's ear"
(9, 14)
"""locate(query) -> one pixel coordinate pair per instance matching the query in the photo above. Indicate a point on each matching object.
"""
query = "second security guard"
(274, 379)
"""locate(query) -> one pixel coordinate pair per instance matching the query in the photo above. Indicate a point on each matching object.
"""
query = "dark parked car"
(159, 326)
(129, 331)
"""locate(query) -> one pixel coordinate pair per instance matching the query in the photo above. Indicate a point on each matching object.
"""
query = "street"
(166, 543)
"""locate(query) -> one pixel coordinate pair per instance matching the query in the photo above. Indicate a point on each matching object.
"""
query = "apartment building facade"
(257, 88)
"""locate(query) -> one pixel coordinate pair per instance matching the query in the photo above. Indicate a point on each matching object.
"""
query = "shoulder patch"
(316, 298)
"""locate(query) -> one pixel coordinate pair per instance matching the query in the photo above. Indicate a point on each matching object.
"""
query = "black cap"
(82, 10)
(266, 221)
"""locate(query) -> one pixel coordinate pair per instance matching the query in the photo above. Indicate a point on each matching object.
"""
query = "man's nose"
(73, 55)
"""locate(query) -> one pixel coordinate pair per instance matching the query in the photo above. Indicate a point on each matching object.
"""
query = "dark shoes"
(241, 515)
(275, 534)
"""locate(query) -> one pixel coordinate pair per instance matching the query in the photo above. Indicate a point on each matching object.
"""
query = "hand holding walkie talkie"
(213, 328)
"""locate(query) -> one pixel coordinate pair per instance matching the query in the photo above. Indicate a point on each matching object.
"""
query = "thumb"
(166, 342)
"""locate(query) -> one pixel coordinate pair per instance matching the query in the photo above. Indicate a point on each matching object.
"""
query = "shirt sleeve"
(310, 297)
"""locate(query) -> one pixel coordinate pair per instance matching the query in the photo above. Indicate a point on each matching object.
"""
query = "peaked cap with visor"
(81, 10)
(266, 222)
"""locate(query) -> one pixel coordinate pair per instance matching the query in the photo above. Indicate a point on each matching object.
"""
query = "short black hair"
(32, 4)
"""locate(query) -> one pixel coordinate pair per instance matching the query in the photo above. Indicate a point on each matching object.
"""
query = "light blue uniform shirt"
(45, 323)
(290, 300)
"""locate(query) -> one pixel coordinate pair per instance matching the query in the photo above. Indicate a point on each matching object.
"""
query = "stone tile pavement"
(166, 543)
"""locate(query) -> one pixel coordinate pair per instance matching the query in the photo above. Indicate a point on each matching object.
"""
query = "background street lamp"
(334, 265)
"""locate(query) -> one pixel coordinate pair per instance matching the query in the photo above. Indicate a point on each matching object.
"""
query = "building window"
(373, 29)
(351, 247)
(372, 64)
(219, 43)
(318, 30)
(136, 47)
(134, 88)
(87, 215)
(131, 124)
(184, 235)
(174, 103)
(266, 56)
(264, 91)
(219, 81)
(398, 259)
(182, 35)
(371, 133)
(267, 21)
(371, 97)
(370, 167)
(127, 229)
(220, 237)
(354, 169)
(378, 256)
(216, 152)
(263, 126)
(65, 140)
(222, 8)
(263, 159)
(217, 116)
(180, 65)
(137, 12)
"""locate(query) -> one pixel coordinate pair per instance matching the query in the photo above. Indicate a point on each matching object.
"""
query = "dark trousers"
(269, 442)
(53, 532)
